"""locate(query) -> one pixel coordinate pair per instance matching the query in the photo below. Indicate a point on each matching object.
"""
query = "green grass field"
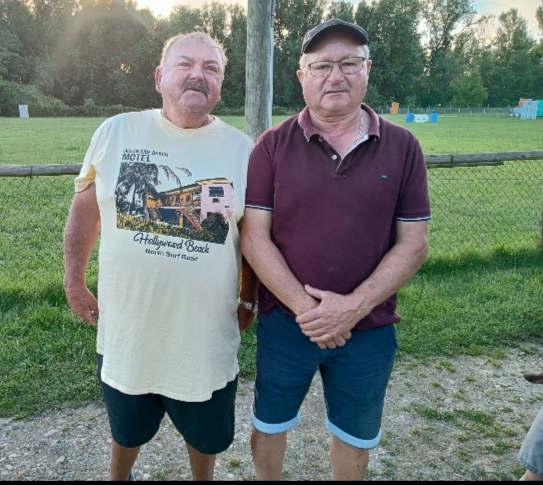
(64, 140)
(480, 291)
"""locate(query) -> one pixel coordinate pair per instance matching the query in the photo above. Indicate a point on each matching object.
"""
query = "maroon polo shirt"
(334, 220)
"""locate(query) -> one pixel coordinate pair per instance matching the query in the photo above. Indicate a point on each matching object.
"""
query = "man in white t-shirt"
(166, 190)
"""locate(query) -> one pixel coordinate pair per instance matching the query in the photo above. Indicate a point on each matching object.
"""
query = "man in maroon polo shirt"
(336, 223)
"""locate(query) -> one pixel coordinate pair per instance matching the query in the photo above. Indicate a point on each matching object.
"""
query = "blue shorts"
(531, 453)
(355, 378)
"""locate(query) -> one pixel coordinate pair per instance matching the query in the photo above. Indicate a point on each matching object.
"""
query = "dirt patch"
(461, 418)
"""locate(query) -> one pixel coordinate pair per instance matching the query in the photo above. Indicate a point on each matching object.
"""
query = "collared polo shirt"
(335, 219)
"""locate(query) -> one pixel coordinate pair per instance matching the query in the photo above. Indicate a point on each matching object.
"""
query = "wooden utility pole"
(259, 74)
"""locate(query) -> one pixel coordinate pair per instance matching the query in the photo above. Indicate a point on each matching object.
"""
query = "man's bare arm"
(80, 237)
(248, 290)
(339, 313)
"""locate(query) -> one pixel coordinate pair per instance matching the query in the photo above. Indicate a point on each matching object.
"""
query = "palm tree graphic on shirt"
(137, 179)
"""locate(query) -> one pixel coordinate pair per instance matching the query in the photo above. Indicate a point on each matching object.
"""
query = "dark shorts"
(206, 426)
(355, 378)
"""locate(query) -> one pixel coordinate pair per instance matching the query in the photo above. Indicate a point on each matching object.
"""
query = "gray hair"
(303, 59)
(202, 36)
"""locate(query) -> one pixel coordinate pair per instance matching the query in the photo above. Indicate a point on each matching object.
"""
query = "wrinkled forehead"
(336, 43)
(194, 48)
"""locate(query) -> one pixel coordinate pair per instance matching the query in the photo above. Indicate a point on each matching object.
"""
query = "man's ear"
(300, 75)
(368, 63)
(158, 79)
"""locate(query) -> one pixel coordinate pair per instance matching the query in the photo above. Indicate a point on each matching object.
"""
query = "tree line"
(80, 55)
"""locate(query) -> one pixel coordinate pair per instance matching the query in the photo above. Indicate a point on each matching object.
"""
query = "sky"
(526, 8)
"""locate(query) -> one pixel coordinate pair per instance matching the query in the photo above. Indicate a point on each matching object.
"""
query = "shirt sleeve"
(95, 153)
(260, 178)
(414, 201)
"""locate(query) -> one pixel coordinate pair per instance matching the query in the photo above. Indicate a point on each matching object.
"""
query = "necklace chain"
(359, 134)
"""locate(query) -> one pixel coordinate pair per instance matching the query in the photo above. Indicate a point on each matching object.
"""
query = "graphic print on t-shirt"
(199, 210)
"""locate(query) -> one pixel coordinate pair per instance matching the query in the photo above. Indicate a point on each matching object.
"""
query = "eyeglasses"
(347, 66)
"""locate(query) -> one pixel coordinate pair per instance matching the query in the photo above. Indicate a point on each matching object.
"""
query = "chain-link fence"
(475, 210)
(33, 212)
(485, 208)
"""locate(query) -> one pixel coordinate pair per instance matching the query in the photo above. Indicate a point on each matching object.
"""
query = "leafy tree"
(102, 58)
(468, 90)
(215, 20)
(396, 49)
(539, 16)
(233, 90)
(293, 18)
(363, 15)
(512, 35)
(18, 41)
(431, 51)
(514, 73)
(51, 17)
(182, 20)
(340, 10)
(10, 46)
(443, 22)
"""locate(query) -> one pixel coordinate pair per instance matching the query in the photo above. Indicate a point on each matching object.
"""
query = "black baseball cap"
(335, 25)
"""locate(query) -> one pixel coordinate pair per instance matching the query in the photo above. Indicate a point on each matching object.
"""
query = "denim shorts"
(531, 452)
(206, 426)
(354, 377)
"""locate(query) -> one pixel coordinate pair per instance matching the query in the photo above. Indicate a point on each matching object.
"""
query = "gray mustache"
(195, 86)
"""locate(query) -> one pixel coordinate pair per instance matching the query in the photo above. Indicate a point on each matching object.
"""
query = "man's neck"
(335, 126)
(185, 120)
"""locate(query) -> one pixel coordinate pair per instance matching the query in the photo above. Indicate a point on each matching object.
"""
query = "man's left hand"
(335, 316)
(245, 318)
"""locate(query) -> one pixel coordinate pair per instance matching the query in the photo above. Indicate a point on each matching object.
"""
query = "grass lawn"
(480, 291)
(65, 140)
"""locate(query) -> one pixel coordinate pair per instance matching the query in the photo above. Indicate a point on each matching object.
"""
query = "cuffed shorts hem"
(523, 462)
(274, 428)
(351, 440)
(530, 452)
(355, 379)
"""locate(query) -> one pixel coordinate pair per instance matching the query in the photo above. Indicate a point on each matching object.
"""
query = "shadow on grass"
(499, 258)
(16, 296)
(473, 304)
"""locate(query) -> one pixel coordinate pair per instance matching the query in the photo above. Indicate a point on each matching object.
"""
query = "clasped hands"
(330, 321)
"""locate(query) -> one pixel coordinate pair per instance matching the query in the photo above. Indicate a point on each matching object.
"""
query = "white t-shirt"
(169, 260)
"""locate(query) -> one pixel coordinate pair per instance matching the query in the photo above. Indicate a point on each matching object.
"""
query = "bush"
(91, 109)
(13, 94)
(284, 111)
(222, 110)
(41, 106)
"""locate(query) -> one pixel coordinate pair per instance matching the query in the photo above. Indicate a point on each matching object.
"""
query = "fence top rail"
(479, 159)
(39, 170)
(432, 161)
